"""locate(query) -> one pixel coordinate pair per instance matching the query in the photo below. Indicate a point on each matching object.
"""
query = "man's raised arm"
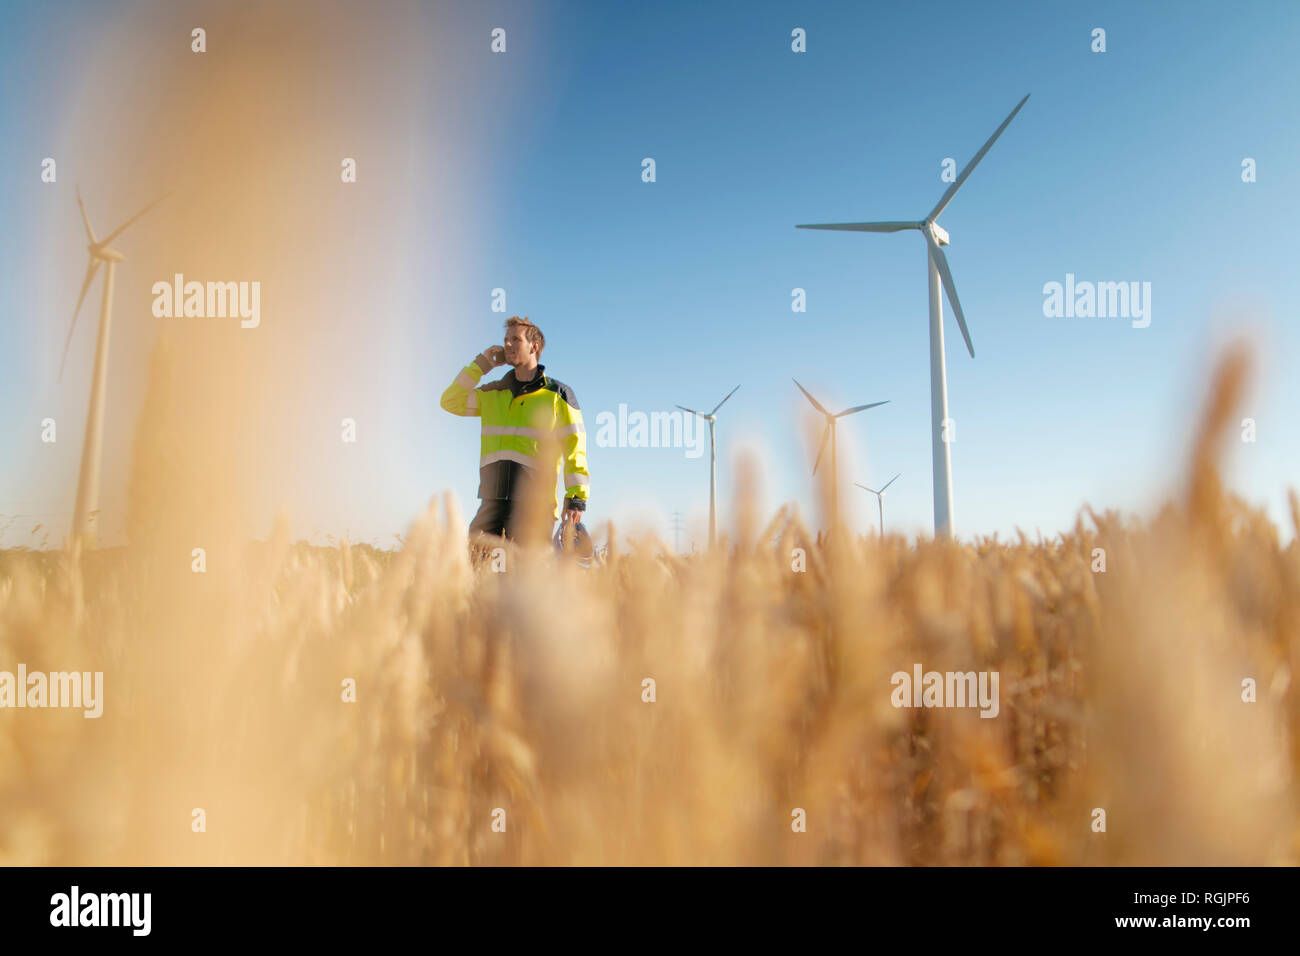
(460, 398)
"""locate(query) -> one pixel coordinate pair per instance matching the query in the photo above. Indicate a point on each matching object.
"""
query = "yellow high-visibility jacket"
(518, 420)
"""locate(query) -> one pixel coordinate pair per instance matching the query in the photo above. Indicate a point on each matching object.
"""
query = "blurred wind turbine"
(88, 478)
(880, 500)
(935, 239)
(712, 419)
(830, 433)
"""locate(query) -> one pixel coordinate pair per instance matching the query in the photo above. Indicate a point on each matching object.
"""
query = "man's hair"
(533, 333)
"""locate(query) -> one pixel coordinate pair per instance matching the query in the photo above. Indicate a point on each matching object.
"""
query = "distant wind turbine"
(712, 419)
(935, 239)
(830, 433)
(880, 500)
(88, 478)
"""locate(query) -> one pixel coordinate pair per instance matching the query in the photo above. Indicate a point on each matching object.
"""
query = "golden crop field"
(519, 698)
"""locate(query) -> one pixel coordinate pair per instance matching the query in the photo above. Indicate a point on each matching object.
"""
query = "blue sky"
(1123, 166)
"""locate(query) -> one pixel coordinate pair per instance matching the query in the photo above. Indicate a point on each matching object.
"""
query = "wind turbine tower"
(935, 239)
(829, 432)
(880, 500)
(88, 477)
(712, 419)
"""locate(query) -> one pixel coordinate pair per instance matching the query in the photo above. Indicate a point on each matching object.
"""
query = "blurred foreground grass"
(1119, 690)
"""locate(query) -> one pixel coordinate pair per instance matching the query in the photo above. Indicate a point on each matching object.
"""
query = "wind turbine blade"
(858, 408)
(84, 218)
(723, 402)
(816, 404)
(691, 410)
(891, 481)
(941, 261)
(825, 435)
(120, 229)
(863, 226)
(970, 167)
(91, 269)
(872, 490)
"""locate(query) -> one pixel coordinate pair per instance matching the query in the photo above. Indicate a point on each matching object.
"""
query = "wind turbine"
(880, 500)
(88, 477)
(712, 419)
(830, 433)
(935, 239)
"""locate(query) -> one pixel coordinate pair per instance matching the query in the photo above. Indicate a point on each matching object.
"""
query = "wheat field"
(518, 697)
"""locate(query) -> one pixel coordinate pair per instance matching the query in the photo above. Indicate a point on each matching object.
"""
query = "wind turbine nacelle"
(107, 253)
(940, 234)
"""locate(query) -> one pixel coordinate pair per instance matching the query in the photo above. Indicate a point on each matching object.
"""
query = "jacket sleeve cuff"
(577, 504)
(482, 362)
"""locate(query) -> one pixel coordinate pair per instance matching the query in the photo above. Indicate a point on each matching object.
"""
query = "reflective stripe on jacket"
(519, 420)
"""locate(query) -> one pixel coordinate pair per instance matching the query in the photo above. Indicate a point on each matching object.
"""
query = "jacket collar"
(518, 388)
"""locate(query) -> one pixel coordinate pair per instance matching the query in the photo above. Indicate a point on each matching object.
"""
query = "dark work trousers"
(503, 486)
(496, 516)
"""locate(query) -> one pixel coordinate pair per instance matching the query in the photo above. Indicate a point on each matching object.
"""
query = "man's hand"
(572, 516)
(495, 354)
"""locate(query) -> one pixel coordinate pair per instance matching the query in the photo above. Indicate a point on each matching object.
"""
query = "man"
(532, 432)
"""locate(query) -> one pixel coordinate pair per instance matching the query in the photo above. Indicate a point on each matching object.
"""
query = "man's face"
(518, 348)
